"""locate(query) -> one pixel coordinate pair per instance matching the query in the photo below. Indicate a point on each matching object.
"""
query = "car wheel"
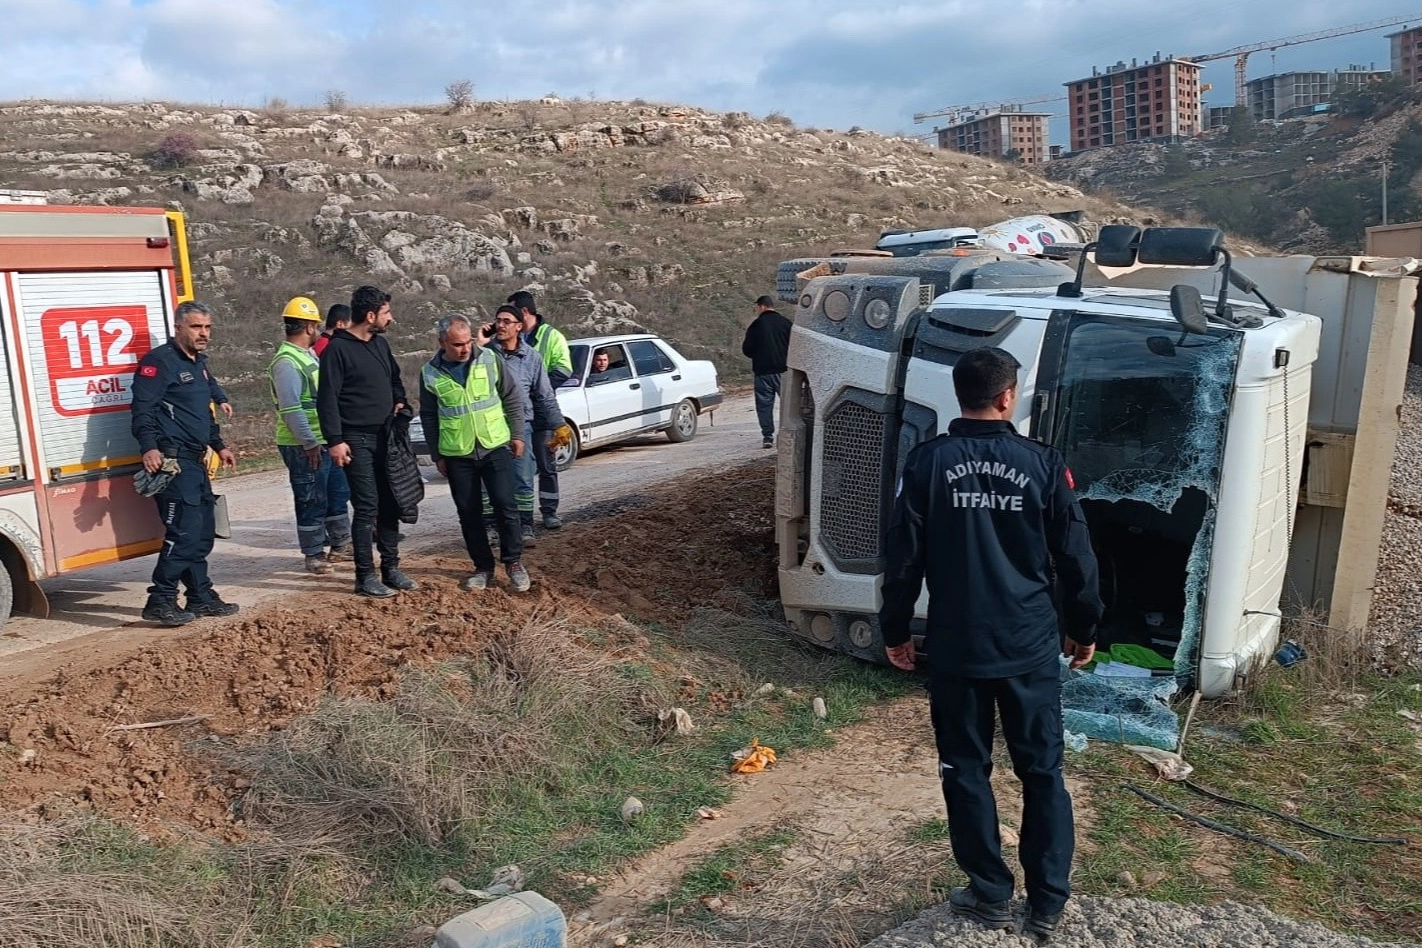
(684, 420)
(564, 457)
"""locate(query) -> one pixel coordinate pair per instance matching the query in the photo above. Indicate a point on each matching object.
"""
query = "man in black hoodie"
(360, 389)
(766, 344)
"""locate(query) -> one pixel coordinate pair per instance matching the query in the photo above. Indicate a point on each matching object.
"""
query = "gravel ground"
(1396, 620)
(1118, 923)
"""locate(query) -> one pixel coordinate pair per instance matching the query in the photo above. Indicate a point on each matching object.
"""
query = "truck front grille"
(852, 481)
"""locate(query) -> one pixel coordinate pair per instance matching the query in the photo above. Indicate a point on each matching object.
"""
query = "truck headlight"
(836, 305)
(878, 313)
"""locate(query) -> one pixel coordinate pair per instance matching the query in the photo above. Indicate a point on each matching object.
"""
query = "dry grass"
(428, 762)
(49, 897)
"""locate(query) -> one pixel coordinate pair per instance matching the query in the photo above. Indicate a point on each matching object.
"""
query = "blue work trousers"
(321, 494)
(523, 473)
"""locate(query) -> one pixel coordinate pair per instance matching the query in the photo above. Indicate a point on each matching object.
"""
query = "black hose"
(1208, 823)
(1317, 830)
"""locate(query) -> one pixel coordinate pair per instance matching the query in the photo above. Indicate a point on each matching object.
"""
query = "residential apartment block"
(1407, 55)
(1157, 101)
(997, 133)
(1296, 94)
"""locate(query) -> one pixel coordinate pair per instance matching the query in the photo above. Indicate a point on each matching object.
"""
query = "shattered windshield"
(1141, 413)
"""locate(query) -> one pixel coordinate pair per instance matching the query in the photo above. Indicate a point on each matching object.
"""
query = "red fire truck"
(84, 292)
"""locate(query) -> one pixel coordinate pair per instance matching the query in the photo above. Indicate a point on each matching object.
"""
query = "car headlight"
(878, 313)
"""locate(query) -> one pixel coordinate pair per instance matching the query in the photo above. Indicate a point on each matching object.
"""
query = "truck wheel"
(564, 457)
(7, 594)
(684, 420)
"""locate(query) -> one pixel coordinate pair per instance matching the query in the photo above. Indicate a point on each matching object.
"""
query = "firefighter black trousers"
(964, 712)
(186, 508)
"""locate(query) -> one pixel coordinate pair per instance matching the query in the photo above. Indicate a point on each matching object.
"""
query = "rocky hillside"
(1303, 186)
(619, 216)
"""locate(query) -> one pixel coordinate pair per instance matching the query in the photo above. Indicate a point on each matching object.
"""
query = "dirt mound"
(652, 556)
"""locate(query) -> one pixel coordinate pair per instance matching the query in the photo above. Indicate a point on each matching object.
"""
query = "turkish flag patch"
(1071, 481)
(149, 371)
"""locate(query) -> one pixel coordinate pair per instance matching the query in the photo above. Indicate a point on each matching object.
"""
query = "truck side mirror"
(1116, 245)
(1188, 308)
(1180, 246)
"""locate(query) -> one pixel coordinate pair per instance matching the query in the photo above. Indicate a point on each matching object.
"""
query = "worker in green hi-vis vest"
(319, 488)
(552, 345)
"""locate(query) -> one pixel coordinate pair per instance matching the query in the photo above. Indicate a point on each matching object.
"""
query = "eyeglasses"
(506, 322)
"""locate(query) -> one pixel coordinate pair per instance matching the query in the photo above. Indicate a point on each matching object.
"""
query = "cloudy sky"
(834, 63)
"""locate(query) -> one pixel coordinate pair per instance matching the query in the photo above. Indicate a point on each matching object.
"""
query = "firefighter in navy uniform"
(173, 419)
(989, 517)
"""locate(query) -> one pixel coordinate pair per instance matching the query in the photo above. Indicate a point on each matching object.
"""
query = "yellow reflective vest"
(310, 368)
(469, 414)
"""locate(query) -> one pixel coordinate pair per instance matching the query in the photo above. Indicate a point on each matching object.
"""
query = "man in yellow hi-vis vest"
(318, 487)
(472, 414)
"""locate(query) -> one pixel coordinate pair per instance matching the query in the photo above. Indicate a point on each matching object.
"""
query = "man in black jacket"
(359, 392)
(987, 516)
(766, 344)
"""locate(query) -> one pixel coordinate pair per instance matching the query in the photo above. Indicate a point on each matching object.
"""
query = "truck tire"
(683, 422)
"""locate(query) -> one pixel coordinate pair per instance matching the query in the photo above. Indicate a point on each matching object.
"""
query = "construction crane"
(1241, 53)
(955, 110)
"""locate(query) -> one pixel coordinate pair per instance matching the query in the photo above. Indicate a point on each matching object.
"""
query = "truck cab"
(1184, 429)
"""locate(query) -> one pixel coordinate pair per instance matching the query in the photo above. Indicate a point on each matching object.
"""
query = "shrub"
(460, 95)
(779, 118)
(481, 192)
(174, 150)
(336, 100)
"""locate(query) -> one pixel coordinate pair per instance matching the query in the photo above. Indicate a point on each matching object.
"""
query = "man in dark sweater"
(766, 344)
(360, 390)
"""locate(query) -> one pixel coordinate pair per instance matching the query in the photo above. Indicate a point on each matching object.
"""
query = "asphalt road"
(261, 562)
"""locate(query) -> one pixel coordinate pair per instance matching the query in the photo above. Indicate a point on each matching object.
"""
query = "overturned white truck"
(1231, 455)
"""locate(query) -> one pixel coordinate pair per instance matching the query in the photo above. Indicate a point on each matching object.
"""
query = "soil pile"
(652, 556)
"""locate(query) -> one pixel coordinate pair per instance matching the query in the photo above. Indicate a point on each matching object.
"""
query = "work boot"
(551, 522)
(529, 538)
(339, 554)
(768, 441)
(964, 900)
(519, 578)
(1041, 925)
(374, 588)
(479, 581)
(166, 612)
(212, 608)
(318, 564)
(398, 580)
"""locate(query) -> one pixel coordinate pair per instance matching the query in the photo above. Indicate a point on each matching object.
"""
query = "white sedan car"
(647, 387)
